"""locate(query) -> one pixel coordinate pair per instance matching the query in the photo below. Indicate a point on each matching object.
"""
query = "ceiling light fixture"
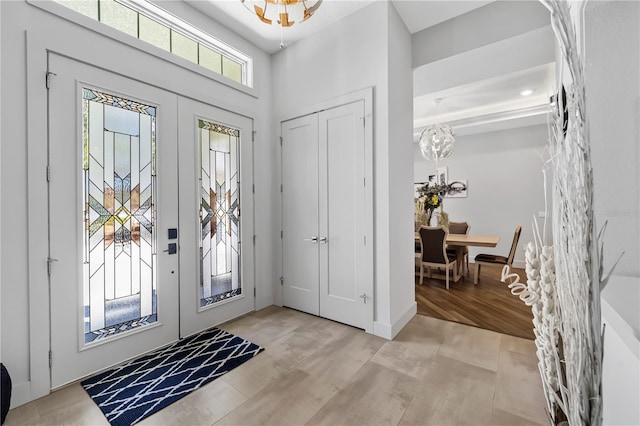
(284, 12)
(526, 92)
(437, 140)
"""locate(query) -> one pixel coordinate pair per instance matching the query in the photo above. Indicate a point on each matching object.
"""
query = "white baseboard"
(519, 264)
(21, 394)
(389, 331)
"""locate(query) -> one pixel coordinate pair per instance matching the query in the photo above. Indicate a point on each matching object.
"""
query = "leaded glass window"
(219, 180)
(119, 249)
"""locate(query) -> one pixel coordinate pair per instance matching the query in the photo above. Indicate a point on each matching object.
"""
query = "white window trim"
(72, 16)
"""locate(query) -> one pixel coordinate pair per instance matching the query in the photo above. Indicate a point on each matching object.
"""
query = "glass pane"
(118, 198)
(141, 26)
(184, 47)
(119, 17)
(210, 59)
(155, 33)
(232, 69)
(219, 212)
(86, 7)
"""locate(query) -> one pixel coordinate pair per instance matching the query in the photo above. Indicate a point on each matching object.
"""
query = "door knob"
(323, 240)
(312, 239)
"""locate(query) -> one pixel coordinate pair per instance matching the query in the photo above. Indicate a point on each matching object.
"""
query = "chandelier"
(284, 12)
(437, 140)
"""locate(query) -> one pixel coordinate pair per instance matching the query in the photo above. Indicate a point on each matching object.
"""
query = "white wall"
(21, 21)
(612, 59)
(400, 136)
(504, 174)
(480, 27)
(344, 57)
(612, 67)
(621, 361)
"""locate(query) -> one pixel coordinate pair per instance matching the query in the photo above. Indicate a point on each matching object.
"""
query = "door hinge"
(49, 262)
(47, 79)
(254, 239)
(280, 140)
(363, 120)
(364, 181)
(253, 188)
(48, 174)
(50, 359)
(281, 234)
(253, 136)
(365, 240)
(281, 187)
(281, 280)
(254, 292)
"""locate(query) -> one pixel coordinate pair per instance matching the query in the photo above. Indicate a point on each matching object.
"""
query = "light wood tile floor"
(318, 372)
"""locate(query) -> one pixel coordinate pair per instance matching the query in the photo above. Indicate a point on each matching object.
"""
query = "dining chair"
(418, 253)
(434, 252)
(460, 228)
(492, 259)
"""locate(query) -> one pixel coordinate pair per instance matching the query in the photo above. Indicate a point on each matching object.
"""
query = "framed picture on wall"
(441, 176)
(459, 189)
(432, 180)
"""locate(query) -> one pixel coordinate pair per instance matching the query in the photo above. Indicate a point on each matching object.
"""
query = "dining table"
(460, 241)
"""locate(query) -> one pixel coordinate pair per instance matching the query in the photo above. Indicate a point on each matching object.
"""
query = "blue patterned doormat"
(145, 385)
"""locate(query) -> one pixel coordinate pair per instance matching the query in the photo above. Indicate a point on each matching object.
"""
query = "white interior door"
(216, 242)
(344, 289)
(325, 261)
(112, 197)
(300, 214)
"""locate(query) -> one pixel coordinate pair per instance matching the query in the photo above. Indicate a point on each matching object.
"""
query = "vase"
(427, 217)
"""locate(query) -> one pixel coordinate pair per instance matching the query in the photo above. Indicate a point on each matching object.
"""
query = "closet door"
(300, 214)
(326, 268)
(344, 288)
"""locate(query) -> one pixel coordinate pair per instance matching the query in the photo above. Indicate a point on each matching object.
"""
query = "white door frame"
(365, 95)
(39, 42)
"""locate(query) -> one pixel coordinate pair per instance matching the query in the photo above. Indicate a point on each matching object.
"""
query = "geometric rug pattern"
(132, 391)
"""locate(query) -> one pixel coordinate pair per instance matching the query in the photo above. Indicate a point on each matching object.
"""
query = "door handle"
(312, 239)
(172, 248)
(323, 240)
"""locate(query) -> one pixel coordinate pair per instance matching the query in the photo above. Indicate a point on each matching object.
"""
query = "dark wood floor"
(489, 304)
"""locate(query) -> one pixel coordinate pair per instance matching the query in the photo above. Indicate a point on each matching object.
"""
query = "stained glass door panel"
(119, 254)
(219, 212)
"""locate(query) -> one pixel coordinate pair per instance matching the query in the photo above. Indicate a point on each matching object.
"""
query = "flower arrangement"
(430, 199)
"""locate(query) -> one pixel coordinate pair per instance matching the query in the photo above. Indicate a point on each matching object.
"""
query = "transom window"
(154, 25)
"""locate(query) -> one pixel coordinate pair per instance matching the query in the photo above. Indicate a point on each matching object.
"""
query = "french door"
(215, 149)
(324, 246)
(125, 227)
